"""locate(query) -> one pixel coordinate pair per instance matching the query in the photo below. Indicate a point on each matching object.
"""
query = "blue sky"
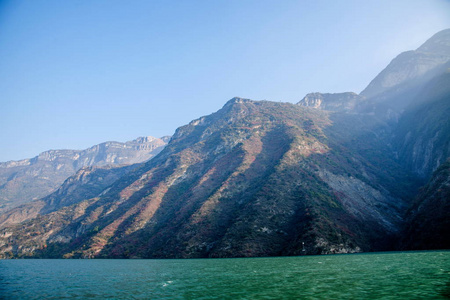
(78, 73)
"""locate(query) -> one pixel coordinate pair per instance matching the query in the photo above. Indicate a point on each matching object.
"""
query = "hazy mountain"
(30, 179)
(87, 183)
(411, 95)
(399, 83)
(421, 64)
(422, 136)
(337, 173)
(256, 178)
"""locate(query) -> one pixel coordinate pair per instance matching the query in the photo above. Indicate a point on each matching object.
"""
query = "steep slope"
(411, 68)
(407, 105)
(87, 183)
(396, 87)
(254, 179)
(30, 179)
(428, 220)
(422, 136)
(404, 113)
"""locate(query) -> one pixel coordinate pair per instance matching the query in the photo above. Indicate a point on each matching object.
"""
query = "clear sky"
(77, 73)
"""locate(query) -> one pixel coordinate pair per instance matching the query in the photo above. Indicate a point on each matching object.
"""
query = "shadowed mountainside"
(428, 223)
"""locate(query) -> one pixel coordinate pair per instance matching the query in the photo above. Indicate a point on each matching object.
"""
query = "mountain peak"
(143, 139)
(438, 44)
(235, 100)
(411, 68)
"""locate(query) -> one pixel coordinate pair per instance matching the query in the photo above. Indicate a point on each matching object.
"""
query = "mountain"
(428, 223)
(87, 183)
(335, 173)
(411, 97)
(256, 178)
(412, 66)
(400, 82)
(422, 135)
(30, 179)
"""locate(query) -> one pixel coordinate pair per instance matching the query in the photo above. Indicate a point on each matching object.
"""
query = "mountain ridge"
(255, 178)
(30, 179)
(426, 62)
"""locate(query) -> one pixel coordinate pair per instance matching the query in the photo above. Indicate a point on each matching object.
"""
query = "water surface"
(407, 275)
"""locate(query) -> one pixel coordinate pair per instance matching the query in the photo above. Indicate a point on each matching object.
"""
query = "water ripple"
(409, 275)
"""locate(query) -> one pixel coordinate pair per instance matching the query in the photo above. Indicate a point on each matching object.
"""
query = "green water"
(407, 275)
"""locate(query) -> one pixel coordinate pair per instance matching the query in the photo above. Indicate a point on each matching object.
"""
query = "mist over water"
(406, 275)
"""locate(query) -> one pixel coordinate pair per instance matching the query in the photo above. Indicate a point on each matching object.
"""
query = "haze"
(77, 73)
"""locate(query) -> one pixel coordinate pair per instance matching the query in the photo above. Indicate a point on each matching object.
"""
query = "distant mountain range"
(335, 173)
(31, 179)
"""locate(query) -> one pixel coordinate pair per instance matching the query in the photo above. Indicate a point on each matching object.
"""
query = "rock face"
(422, 136)
(31, 179)
(256, 178)
(340, 102)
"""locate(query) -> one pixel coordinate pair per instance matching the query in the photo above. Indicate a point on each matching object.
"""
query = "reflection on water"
(407, 275)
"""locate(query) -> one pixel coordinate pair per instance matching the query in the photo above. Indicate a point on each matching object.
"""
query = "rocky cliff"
(339, 102)
(31, 179)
